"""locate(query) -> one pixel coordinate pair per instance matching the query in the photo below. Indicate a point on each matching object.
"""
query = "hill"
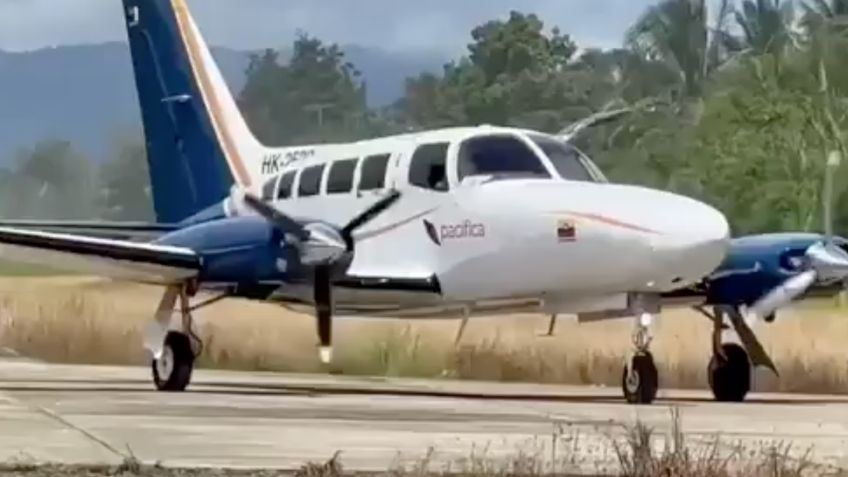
(86, 93)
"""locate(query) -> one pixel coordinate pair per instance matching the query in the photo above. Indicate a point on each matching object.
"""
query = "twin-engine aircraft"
(452, 223)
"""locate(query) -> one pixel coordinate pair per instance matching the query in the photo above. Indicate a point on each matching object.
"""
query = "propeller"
(823, 260)
(323, 247)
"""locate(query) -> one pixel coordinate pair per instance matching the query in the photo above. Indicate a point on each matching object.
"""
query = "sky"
(435, 25)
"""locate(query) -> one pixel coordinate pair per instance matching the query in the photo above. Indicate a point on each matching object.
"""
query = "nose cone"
(693, 241)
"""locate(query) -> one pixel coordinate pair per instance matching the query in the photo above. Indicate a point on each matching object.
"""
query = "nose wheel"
(640, 378)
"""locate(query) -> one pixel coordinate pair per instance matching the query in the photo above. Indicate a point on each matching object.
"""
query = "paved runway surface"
(78, 414)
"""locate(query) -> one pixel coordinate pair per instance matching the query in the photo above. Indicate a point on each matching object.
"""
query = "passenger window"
(268, 188)
(340, 180)
(428, 167)
(284, 191)
(373, 174)
(310, 181)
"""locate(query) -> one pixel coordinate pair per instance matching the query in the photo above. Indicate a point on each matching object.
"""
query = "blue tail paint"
(189, 172)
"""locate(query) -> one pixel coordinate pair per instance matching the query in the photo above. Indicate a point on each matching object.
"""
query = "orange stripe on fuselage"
(610, 221)
(210, 99)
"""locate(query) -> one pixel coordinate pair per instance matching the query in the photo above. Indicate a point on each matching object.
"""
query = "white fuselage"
(500, 231)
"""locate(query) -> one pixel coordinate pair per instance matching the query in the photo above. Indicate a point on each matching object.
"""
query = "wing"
(134, 231)
(125, 260)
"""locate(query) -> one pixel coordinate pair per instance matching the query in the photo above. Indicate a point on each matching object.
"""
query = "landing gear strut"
(174, 352)
(640, 379)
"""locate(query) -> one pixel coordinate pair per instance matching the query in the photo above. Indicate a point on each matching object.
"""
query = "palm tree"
(825, 9)
(677, 32)
(765, 26)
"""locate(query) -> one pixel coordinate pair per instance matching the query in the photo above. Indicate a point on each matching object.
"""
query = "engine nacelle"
(239, 250)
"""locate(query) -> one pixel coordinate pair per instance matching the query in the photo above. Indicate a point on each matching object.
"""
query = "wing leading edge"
(131, 261)
(133, 231)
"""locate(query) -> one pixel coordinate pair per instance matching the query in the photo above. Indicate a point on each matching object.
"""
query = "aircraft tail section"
(198, 143)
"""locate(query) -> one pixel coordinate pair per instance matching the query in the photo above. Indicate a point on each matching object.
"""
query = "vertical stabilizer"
(198, 144)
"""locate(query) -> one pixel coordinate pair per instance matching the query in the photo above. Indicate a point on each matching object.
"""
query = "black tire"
(174, 375)
(646, 380)
(730, 379)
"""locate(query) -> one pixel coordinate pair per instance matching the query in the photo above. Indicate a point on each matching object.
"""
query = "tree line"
(736, 103)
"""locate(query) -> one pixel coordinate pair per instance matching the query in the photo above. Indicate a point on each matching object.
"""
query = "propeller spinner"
(322, 247)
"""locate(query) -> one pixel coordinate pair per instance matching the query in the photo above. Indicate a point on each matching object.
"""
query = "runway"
(87, 415)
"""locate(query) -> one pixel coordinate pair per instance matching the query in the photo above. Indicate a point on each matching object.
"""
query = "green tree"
(820, 13)
(124, 183)
(52, 180)
(765, 26)
(514, 74)
(678, 33)
(316, 96)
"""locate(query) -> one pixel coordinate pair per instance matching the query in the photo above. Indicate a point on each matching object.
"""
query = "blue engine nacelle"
(757, 264)
(238, 250)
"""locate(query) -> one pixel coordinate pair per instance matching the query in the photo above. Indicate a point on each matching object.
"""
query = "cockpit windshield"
(498, 155)
(568, 161)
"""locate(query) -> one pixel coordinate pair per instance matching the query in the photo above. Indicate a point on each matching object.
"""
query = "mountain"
(86, 94)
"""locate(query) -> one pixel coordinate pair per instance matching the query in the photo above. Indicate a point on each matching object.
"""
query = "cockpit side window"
(428, 166)
(565, 158)
(498, 155)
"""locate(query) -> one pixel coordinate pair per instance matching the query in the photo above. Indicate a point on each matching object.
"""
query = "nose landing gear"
(640, 378)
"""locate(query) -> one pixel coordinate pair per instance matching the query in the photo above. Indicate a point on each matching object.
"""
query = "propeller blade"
(366, 216)
(283, 222)
(323, 294)
(833, 161)
(784, 293)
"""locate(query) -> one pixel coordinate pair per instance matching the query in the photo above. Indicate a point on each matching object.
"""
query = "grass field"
(82, 320)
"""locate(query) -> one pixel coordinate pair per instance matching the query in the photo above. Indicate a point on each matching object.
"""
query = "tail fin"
(198, 144)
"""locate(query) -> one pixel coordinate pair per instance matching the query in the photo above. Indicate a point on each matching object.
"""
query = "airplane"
(447, 223)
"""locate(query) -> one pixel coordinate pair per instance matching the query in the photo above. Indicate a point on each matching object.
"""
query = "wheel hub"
(632, 381)
(165, 364)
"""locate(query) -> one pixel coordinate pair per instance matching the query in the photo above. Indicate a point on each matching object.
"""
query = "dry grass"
(80, 320)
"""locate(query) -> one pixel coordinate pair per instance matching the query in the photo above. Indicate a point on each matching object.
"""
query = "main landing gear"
(174, 352)
(729, 369)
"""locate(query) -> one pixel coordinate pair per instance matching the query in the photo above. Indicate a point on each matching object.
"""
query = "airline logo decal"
(464, 230)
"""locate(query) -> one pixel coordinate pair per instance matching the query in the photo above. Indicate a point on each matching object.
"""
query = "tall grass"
(78, 320)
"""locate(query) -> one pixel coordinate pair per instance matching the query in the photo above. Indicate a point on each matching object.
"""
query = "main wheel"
(172, 372)
(730, 378)
(640, 385)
